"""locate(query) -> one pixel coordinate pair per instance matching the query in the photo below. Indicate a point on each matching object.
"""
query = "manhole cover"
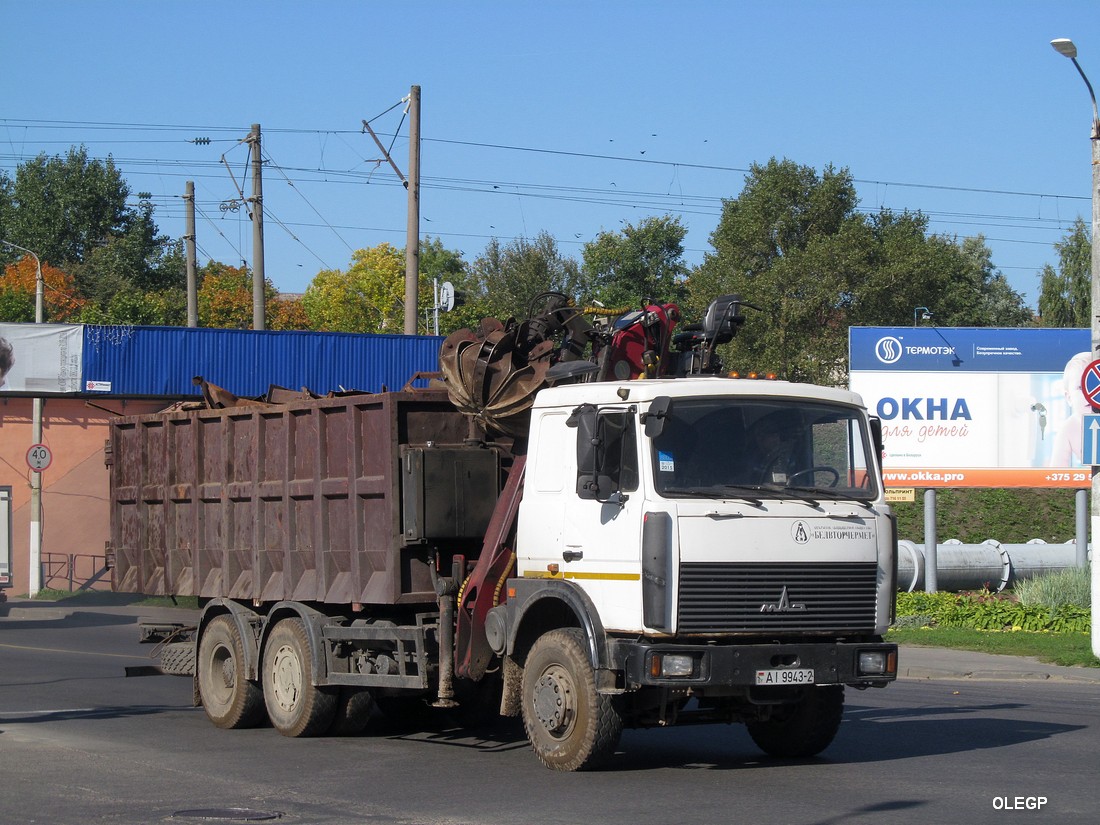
(228, 815)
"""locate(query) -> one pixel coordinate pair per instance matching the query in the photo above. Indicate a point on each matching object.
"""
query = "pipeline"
(991, 564)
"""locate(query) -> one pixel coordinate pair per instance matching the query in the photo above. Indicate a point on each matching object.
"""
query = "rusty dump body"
(334, 500)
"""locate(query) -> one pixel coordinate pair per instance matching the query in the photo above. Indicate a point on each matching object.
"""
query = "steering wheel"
(813, 471)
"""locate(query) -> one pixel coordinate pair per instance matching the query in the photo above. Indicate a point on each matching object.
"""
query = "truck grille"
(718, 597)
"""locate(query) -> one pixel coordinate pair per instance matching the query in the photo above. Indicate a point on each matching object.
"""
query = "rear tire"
(296, 706)
(570, 725)
(803, 728)
(355, 709)
(229, 699)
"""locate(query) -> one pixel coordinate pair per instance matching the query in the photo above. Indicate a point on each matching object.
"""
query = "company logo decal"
(888, 350)
(800, 532)
(803, 533)
(784, 605)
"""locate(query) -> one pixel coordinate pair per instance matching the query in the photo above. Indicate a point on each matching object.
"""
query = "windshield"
(762, 448)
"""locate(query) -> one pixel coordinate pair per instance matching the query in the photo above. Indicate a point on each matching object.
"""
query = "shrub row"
(985, 611)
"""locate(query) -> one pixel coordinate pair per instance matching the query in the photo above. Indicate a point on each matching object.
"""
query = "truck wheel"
(354, 710)
(295, 705)
(228, 697)
(802, 728)
(570, 726)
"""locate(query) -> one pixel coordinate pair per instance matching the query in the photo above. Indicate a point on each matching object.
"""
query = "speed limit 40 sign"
(39, 457)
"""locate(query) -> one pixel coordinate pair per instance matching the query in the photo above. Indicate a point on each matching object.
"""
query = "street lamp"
(1066, 48)
(34, 560)
(921, 314)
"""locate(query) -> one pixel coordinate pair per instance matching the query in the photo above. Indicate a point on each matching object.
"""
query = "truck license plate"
(785, 676)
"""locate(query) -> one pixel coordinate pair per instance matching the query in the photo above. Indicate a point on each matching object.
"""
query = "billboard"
(976, 407)
(41, 359)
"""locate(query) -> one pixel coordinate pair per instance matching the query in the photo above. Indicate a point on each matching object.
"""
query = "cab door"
(601, 539)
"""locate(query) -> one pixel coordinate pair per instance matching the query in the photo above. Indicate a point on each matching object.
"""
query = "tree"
(643, 261)
(507, 279)
(1065, 295)
(225, 296)
(369, 297)
(19, 283)
(437, 263)
(998, 304)
(287, 313)
(166, 307)
(793, 244)
(73, 212)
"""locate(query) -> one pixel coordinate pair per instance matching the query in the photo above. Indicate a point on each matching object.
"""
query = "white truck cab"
(716, 540)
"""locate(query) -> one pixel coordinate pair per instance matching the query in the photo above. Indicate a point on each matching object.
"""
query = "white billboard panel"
(971, 407)
(41, 358)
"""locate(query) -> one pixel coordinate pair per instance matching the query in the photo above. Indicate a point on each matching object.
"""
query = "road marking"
(73, 652)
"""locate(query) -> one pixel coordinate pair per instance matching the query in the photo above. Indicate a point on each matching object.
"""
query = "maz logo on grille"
(784, 605)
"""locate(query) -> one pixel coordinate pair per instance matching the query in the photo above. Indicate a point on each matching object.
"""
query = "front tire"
(296, 706)
(803, 728)
(570, 725)
(229, 699)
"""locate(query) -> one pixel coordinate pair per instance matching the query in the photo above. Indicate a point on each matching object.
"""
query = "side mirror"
(876, 437)
(591, 484)
(654, 419)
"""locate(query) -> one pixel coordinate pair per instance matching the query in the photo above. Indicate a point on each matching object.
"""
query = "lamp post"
(921, 314)
(34, 560)
(1066, 48)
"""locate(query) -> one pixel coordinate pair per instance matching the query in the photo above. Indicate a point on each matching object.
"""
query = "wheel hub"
(554, 701)
(286, 678)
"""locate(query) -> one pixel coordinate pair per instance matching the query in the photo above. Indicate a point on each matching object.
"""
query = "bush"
(1072, 587)
(988, 611)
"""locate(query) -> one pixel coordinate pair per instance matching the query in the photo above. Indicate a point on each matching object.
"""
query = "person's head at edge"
(7, 359)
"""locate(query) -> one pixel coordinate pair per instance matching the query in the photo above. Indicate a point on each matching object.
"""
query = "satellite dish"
(446, 296)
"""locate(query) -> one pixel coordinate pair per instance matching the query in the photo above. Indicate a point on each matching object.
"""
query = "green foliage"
(16, 306)
(506, 279)
(643, 261)
(1010, 515)
(368, 297)
(985, 611)
(793, 243)
(1069, 649)
(167, 307)
(73, 212)
(1071, 587)
(1065, 296)
(438, 262)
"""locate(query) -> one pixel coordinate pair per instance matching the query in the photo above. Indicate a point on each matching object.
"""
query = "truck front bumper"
(828, 663)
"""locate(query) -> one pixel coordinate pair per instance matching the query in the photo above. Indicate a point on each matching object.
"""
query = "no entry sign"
(1090, 383)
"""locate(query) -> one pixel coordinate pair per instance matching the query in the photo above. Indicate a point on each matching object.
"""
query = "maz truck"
(589, 526)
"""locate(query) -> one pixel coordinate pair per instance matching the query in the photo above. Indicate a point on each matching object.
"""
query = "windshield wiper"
(691, 492)
(742, 489)
(834, 495)
(721, 491)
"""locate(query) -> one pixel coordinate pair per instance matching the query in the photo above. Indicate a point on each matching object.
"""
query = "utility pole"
(412, 230)
(189, 242)
(1066, 48)
(257, 230)
(34, 553)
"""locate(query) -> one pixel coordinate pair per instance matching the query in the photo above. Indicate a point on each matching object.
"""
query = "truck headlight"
(672, 665)
(877, 663)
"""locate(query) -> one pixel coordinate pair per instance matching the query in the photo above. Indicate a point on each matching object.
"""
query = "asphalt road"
(960, 739)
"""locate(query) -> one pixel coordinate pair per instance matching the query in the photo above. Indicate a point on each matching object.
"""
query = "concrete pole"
(189, 243)
(931, 584)
(1095, 510)
(412, 229)
(34, 559)
(257, 199)
(1066, 48)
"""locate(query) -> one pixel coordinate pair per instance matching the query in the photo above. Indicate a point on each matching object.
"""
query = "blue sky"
(565, 117)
